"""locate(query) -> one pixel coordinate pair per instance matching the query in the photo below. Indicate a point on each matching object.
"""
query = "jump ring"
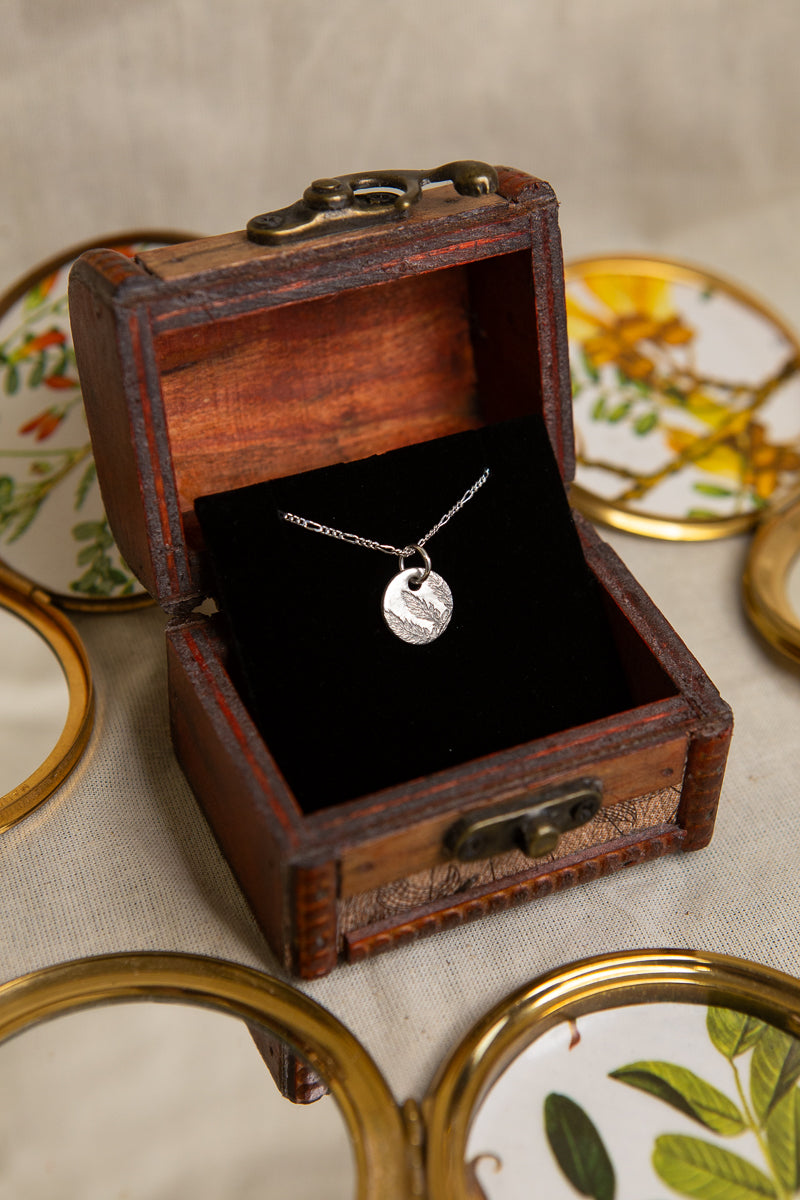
(426, 558)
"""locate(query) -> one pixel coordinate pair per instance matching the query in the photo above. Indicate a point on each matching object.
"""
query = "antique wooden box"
(365, 791)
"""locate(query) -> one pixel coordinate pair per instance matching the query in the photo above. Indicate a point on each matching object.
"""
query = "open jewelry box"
(366, 791)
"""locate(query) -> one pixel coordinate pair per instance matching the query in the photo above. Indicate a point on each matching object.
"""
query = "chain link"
(354, 540)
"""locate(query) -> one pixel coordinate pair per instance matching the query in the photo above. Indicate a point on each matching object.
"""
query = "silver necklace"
(417, 603)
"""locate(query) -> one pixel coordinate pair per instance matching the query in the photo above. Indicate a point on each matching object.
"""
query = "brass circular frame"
(618, 515)
(372, 1117)
(596, 984)
(167, 237)
(775, 547)
(36, 610)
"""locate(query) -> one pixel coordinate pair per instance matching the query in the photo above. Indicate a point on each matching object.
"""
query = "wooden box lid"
(219, 363)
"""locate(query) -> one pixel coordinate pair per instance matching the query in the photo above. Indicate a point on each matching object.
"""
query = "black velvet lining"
(344, 705)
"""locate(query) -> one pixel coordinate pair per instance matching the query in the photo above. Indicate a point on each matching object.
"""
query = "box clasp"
(534, 828)
(350, 201)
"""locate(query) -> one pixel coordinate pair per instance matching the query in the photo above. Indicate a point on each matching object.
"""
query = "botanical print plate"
(686, 398)
(645, 1102)
(53, 529)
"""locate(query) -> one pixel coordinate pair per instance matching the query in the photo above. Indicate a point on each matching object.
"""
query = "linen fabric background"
(663, 128)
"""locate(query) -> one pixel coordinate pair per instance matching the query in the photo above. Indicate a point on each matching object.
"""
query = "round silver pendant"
(417, 615)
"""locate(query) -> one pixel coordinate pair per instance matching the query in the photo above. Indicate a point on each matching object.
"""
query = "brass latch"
(533, 828)
(347, 201)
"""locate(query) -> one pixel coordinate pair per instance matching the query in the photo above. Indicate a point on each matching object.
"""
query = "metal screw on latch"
(583, 811)
(539, 839)
(328, 194)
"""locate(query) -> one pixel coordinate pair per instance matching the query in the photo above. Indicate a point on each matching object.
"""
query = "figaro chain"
(417, 603)
(354, 540)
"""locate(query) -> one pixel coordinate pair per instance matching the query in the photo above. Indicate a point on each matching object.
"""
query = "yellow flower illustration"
(640, 315)
(766, 461)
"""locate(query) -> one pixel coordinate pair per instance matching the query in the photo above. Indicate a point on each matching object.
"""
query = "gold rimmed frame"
(8, 299)
(382, 1134)
(36, 610)
(373, 1119)
(617, 514)
(611, 981)
(774, 551)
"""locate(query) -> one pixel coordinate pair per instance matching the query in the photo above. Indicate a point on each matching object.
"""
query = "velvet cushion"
(345, 706)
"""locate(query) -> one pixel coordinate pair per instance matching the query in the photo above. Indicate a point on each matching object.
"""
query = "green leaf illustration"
(11, 381)
(92, 531)
(589, 367)
(783, 1140)
(102, 578)
(37, 371)
(733, 1032)
(61, 362)
(6, 490)
(85, 483)
(682, 1089)
(645, 423)
(25, 514)
(88, 530)
(619, 411)
(599, 408)
(712, 489)
(707, 1172)
(774, 1070)
(578, 1147)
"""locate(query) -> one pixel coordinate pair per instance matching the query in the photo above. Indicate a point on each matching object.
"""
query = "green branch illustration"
(20, 504)
(37, 354)
(55, 307)
(767, 1106)
(643, 402)
(704, 445)
(703, 1170)
(101, 577)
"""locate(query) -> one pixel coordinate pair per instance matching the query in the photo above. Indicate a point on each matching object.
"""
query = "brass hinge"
(415, 1141)
(350, 201)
